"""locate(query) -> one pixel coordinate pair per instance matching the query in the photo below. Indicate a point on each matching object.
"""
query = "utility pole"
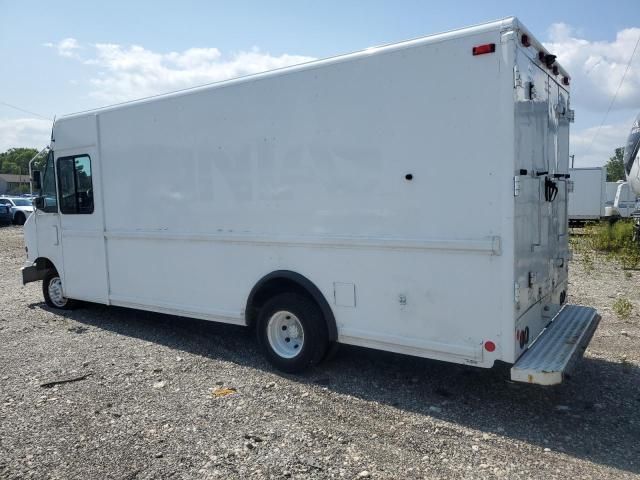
(573, 157)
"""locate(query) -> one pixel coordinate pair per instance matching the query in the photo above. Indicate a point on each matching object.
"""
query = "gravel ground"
(143, 405)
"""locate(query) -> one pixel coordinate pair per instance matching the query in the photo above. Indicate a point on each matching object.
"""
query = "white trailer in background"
(588, 196)
(631, 162)
(623, 201)
(306, 203)
(611, 189)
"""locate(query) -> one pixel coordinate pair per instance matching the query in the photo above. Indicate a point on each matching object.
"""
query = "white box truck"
(588, 196)
(306, 203)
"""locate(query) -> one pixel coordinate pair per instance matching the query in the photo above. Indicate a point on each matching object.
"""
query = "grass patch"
(614, 241)
(622, 308)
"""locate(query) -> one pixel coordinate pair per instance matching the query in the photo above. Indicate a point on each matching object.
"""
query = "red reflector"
(525, 40)
(489, 346)
(486, 48)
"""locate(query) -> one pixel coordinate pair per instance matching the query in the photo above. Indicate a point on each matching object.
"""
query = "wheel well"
(286, 281)
(43, 263)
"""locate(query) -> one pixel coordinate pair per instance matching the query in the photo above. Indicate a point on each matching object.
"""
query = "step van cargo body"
(322, 185)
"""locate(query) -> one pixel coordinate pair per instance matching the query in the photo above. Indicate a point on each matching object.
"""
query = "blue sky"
(68, 56)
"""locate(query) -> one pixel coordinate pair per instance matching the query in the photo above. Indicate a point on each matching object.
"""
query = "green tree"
(16, 160)
(615, 166)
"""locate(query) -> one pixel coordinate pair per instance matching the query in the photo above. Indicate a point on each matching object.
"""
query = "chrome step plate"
(558, 346)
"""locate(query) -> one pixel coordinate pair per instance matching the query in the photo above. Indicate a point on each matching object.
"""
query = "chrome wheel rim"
(55, 292)
(285, 334)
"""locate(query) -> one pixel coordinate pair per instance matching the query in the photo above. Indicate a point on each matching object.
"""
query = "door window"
(75, 185)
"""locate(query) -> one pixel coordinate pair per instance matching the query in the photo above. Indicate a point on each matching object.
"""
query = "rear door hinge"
(516, 186)
(516, 292)
(517, 79)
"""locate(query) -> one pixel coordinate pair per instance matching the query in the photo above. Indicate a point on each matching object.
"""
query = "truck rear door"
(542, 161)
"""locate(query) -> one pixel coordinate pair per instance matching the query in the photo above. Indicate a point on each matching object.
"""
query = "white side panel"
(404, 296)
(84, 266)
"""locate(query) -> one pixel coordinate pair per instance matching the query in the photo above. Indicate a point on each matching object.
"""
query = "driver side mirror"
(36, 180)
(38, 202)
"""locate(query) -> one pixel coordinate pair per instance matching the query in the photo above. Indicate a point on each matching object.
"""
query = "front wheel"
(292, 332)
(19, 219)
(53, 295)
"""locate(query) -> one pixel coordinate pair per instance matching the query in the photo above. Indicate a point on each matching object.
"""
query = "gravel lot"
(145, 407)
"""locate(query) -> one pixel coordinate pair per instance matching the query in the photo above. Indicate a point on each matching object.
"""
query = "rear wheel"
(19, 218)
(292, 332)
(53, 294)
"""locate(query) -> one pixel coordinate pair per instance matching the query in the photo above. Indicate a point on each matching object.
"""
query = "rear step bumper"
(558, 347)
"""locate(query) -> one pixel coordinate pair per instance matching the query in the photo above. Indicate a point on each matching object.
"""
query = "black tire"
(19, 218)
(314, 330)
(332, 351)
(68, 303)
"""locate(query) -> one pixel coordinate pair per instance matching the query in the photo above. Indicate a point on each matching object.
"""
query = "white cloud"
(595, 153)
(66, 47)
(596, 67)
(24, 132)
(130, 72)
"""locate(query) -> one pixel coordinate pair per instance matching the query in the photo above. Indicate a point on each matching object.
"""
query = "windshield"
(21, 202)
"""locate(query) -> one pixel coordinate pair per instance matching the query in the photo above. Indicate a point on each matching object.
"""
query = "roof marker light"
(486, 48)
(549, 59)
(555, 70)
(565, 80)
(541, 56)
(525, 40)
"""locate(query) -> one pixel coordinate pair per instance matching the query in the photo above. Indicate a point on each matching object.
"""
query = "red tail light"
(486, 48)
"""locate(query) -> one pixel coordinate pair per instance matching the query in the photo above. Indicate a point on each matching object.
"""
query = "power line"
(615, 95)
(23, 110)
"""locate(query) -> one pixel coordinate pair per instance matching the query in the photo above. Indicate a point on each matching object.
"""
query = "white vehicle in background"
(632, 157)
(588, 196)
(632, 169)
(20, 208)
(623, 203)
(305, 203)
(611, 188)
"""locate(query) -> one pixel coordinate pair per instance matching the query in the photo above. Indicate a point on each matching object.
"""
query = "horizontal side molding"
(487, 245)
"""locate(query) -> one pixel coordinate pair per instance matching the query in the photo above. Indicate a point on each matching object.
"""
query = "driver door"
(81, 225)
(47, 220)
